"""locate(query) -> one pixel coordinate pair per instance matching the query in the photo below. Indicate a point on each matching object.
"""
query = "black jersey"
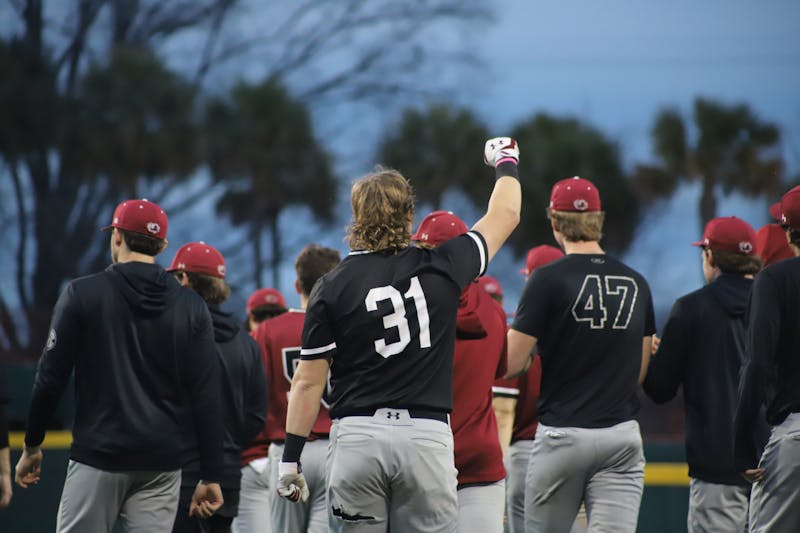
(589, 313)
(387, 322)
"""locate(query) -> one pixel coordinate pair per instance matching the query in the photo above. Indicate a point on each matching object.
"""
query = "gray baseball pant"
(311, 516)
(602, 467)
(480, 508)
(126, 502)
(775, 500)
(717, 508)
(391, 474)
(254, 499)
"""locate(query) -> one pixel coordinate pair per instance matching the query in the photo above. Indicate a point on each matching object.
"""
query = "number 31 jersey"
(589, 313)
(386, 321)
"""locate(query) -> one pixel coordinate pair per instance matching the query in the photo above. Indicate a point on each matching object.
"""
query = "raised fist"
(500, 148)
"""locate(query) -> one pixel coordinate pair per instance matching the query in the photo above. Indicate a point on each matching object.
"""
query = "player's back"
(589, 313)
(391, 316)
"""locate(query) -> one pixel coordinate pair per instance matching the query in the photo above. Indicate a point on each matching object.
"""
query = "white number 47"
(592, 303)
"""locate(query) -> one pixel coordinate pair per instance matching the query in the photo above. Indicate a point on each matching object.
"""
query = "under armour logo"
(394, 414)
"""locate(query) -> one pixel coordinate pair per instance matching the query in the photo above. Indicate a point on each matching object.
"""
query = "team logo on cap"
(221, 270)
(745, 247)
(271, 299)
(153, 228)
(783, 218)
(580, 204)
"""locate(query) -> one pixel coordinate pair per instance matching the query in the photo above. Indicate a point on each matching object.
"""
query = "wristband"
(293, 448)
(506, 167)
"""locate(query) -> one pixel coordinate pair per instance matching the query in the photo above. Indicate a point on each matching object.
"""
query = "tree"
(733, 150)
(435, 149)
(556, 148)
(262, 143)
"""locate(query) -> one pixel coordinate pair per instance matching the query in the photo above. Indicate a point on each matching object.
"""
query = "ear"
(117, 236)
(163, 246)
(711, 261)
(298, 287)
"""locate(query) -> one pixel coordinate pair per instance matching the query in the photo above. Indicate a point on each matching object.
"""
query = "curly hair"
(383, 210)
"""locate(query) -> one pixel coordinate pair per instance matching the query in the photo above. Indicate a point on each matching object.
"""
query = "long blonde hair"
(383, 209)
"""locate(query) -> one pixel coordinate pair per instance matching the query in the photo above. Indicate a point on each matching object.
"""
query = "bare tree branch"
(87, 14)
(22, 245)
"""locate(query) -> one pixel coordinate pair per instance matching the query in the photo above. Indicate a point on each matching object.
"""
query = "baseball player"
(591, 319)
(280, 339)
(769, 378)
(264, 303)
(142, 348)
(384, 322)
(701, 349)
(525, 415)
(480, 358)
(243, 391)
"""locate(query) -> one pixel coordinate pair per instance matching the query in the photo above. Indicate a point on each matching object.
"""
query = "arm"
(308, 385)
(647, 350)
(521, 349)
(503, 213)
(504, 412)
(664, 372)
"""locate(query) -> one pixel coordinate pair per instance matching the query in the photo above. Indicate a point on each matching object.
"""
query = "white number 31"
(397, 318)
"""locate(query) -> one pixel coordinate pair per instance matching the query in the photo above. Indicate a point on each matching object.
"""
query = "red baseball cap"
(439, 227)
(787, 211)
(540, 256)
(575, 194)
(140, 216)
(200, 258)
(771, 244)
(265, 296)
(491, 285)
(729, 234)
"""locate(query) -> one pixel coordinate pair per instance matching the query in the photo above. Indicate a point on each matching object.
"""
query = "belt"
(430, 414)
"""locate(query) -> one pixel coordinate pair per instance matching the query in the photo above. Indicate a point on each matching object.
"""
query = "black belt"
(429, 414)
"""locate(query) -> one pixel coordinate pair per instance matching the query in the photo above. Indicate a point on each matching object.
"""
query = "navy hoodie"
(243, 399)
(140, 345)
(702, 348)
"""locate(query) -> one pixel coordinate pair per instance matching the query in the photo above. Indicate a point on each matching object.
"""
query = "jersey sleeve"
(55, 365)
(764, 325)
(463, 258)
(533, 309)
(668, 365)
(318, 338)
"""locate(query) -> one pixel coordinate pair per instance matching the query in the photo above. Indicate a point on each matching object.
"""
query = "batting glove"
(291, 482)
(500, 150)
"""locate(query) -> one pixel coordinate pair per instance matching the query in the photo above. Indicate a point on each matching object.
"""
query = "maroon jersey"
(526, 418)
(280, 342)
(480, 358)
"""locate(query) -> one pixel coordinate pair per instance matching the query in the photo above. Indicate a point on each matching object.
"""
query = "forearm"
(43, 403)
(5, 461)
(647, 350)
(504, 412)
(304, 402)
(502, 214)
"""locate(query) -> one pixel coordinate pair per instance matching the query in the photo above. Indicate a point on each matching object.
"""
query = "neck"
(303, 301)
(127, 256)
(582, 247)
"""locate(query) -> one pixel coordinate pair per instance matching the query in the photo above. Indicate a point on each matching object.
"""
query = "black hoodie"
(140, 345)
(243, 399)
(702, 348)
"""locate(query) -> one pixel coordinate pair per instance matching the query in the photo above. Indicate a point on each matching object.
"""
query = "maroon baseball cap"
(140, 216)
(200, 258)
(771, 244)
(540, 256)
(729, 234)
(491, 285)
(439, 227)
(575, 194)
(265, 296)
(787, 211)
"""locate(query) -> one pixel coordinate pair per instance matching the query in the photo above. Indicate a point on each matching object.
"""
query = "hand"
(29, 467)
(500, 148)
(207, 498)
(5, 478)
(754, 475)
(656, 342)
(291, 482)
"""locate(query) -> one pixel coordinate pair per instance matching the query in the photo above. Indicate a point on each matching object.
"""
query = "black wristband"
(293, 448)
(506, 168)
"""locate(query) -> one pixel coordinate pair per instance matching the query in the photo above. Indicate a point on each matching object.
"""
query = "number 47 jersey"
(386, 321)
(589, 313)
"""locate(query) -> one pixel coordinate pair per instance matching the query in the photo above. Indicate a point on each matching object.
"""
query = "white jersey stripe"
(482, 251)
(315, 351)
(506, 391)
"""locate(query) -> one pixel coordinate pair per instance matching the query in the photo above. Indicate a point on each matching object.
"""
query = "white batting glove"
(500, 148)
(291, 482)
